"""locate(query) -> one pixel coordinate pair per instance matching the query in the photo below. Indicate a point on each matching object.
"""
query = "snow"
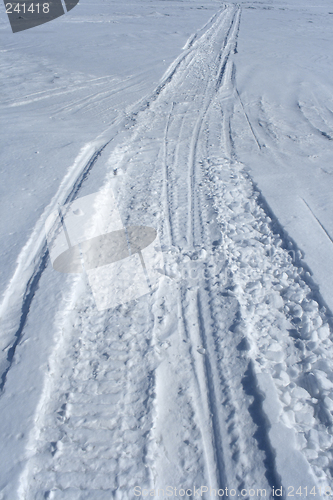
(286, 93)
(211, 125)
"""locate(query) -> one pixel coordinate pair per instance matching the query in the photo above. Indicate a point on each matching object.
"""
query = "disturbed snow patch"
(287, 332)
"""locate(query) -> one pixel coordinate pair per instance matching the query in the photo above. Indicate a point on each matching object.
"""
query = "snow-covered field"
(213, 124)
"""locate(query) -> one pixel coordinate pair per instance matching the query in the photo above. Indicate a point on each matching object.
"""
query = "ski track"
(177, 387)
(35, 264)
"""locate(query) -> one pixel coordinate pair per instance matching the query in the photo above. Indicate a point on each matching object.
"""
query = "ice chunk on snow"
(300, 393)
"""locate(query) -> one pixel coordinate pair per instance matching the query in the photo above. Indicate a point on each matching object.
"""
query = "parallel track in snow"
(186, 169)
(39, 266)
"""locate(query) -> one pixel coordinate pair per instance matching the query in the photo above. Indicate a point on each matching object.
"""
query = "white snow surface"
(212, 123)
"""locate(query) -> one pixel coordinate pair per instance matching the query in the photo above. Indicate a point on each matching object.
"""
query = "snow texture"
(214, 374)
